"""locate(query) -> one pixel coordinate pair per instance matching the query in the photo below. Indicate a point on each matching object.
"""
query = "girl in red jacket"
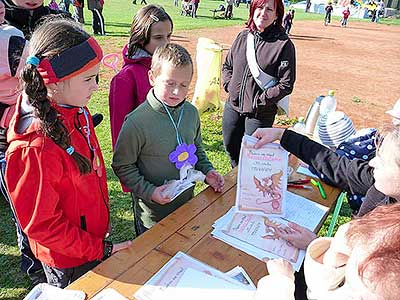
(55, 171)
(151, 28)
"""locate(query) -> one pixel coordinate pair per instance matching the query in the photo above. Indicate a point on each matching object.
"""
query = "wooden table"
(187, 229)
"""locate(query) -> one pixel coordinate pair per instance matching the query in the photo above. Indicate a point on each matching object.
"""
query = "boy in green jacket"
(159, 137)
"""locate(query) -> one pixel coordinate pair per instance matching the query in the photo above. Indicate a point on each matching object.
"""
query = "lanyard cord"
(87, 131)
(176, 126)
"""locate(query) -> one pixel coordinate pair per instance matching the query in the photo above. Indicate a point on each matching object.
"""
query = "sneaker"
(97, 119)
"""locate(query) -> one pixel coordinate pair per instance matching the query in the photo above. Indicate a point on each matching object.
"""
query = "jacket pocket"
(83, 223)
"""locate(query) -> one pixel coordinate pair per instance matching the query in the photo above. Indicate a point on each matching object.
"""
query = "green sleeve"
(127, 150)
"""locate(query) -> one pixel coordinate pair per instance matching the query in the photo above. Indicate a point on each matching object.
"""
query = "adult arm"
(121, 99)
(286, 75)
(355, 176)
(124, 163)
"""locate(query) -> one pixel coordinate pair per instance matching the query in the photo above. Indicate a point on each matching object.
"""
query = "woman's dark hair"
(280, 11)
(141, 26)
(53, 36)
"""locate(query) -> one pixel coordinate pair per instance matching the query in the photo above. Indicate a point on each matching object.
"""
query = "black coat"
(25, 19)
(354, 176)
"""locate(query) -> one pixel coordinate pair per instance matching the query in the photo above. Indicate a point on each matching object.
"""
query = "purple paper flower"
(182, 154)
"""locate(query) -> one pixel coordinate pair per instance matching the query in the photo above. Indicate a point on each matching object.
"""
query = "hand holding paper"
(159, 195)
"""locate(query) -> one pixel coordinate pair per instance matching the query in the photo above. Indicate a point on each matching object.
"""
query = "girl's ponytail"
(51, 124)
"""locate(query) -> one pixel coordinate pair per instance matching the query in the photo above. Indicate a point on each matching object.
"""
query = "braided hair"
(53, 36)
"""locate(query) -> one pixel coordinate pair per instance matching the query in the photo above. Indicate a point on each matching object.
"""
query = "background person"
(248, 106)
(151, 27)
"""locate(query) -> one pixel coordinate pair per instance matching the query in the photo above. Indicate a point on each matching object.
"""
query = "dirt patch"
(361, 62)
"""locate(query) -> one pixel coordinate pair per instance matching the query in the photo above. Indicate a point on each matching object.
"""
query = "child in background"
(328, 13)
(55, 171)
(24, 15)
(346, 15)
(151, 28)
(96, 7)
(288, 21)
(163, 127)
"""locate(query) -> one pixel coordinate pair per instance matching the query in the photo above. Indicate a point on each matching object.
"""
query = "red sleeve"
(34, 186)
(121, 102)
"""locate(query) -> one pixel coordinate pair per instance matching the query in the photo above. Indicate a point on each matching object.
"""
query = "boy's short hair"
(171, 53)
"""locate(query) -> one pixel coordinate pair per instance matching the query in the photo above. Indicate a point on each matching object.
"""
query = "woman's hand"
(338, 253)
(267, 135)
(297, 235)
(215, 180)
(158, 197)
(280, 266)
(121, 246)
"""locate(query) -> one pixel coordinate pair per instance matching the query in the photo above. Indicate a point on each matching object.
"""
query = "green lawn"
(118, 15)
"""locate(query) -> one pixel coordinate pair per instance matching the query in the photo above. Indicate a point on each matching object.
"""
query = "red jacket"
(346, 14)
(64, 214)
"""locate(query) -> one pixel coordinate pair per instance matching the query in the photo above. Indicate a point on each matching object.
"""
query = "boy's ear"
(151, 78)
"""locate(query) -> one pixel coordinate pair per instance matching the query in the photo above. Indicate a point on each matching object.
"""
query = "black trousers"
(235, 125)
(62, 277)
(98, 21)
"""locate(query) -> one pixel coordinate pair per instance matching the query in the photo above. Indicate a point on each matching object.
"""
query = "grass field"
(118, 15)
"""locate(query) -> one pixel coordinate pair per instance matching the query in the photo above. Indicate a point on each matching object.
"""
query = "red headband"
(71, 62)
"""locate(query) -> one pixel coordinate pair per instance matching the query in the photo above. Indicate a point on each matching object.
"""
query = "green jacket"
(141, 154)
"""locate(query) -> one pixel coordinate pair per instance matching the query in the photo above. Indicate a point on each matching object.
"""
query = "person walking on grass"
(346, 15)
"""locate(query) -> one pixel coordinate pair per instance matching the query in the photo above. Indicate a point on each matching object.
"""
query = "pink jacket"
(128, 89)
(12, 42)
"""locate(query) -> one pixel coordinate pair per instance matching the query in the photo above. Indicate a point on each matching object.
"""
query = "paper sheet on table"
(299, 210)
(258, 253)
(109, 294)
(171, 274)
(304, 212)
(239, 274)
(44, 291)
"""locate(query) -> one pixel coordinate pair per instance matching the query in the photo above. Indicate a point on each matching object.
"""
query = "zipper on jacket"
(83, 223)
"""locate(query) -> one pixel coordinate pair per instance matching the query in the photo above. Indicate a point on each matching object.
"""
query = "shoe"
(97, 119)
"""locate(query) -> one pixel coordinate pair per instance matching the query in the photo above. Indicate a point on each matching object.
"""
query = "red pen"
(300, 181)
(298, 186)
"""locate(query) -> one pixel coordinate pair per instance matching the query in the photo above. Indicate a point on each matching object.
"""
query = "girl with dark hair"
(151, 28)
(251, 103)
(55, 171)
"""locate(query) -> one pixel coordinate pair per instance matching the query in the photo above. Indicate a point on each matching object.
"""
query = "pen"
(300, 181)
(320, 188)
(299, 186)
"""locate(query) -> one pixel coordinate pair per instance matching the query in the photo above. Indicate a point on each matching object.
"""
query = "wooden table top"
(188, 229)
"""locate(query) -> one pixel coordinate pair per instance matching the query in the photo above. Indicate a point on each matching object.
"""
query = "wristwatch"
(107, 249)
